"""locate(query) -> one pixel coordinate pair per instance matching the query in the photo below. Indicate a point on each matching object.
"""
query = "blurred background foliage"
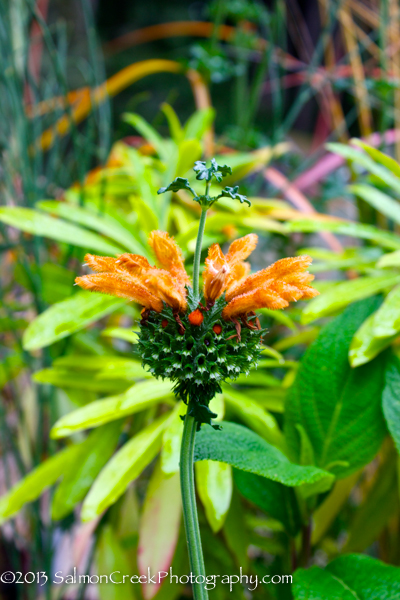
(101, 104)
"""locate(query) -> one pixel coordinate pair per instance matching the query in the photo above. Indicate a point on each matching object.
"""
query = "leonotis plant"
(197, 339)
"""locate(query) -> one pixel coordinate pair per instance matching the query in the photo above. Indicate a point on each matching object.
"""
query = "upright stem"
(197, 253)
(190, 518)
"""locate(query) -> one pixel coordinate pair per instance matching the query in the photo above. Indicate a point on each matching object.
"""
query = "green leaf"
(316, 584)
(159, 527)
(198, 123)
(111, 558)
(379, 505)
(367, 232)
(379, 157)
(389, 260)
(149, 133)
(66, 317)
(65, 378)
(37, 223)
(277, 500)
(124, 467)
(214, 486)
(370, 579)
(137, 398)
(367, 163)
(93, 454)
(215, 170)
(254, 416)
(175, 127)
(387, 318)
(339, 296)
(102, 223)
(245, 450)
(179, 183)
(232, 192)
(378, 200)
(121, 333)
(31, 486)
(338, 407)
(391, 399)
(188, 152)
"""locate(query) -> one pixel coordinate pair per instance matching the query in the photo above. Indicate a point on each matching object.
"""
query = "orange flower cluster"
(131, 276)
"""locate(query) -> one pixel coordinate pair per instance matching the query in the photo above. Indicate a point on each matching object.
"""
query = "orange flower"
(131, 276)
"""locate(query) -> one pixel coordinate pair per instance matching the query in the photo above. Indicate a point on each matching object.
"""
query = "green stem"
(197, 253)
(190, 518)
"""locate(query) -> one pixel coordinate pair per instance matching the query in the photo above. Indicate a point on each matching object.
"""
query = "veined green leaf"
(339, 296)
(367, 232)
(378, 200)
(137, 398)
(370, 579)
(338, 407)
(318, 584)
(254, 416)
(159, 527)
(104, 224)
(31, 486)
(214, 486)
(37, 223)
(124, 467)
(93, 454)
(391, 399)
(68, 316)
(277, 500)
(245, 450)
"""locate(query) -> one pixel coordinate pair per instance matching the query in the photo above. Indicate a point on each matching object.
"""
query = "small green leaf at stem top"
(179, 183)
(232, 192)
(216, 170)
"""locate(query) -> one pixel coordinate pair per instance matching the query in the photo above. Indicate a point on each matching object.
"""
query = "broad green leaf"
(367, 232)
(93, 454)
(275, 499)
(111, 558)
(148, 219)
(189, 152)
(124, 467)
(337, 406)
(254, 416)
(370, 579)
(104, 224)
(245, 450)
(90, 362)
(391, 399)
(339, 296)
(31, 486)
(159, 527)
(37, 223)
(214, 486)
(367, 163)
(317, 584)
(137, 398)
(378, 200)
(301, 337)
(66, 317)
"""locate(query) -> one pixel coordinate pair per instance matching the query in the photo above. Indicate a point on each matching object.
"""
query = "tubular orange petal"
(101, 264)
(162, 284)
(214, 263)
(214, 286)
(242, 248)
(286, 269)
(259, 298)
(115, 285)
(236, 277)
(133, 263)
(169, 255)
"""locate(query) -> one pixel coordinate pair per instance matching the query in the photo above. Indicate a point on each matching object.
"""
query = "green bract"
(200, 359)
